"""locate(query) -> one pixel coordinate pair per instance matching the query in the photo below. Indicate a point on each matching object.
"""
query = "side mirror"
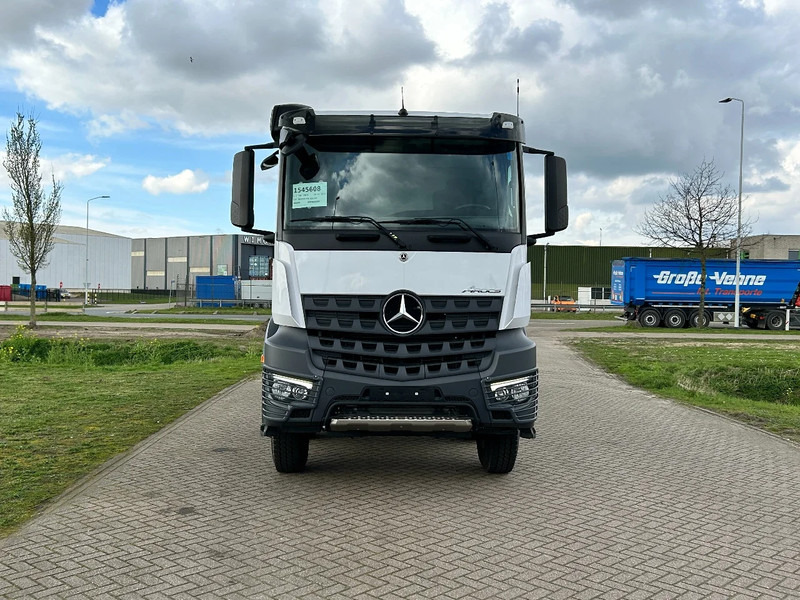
(556, 210)
(242, 214)
(270, 161)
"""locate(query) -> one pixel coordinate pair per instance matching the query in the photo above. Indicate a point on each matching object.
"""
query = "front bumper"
(459, 405)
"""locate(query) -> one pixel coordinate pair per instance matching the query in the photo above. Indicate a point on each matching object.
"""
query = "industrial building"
(76, 252)
(115, 262)
(772, 246)
(174, 262)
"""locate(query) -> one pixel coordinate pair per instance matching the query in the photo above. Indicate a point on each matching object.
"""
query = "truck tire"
(776, 320)
(498, 453)
(675, 318)
(696, 316)
(649, 317)
(290, 452)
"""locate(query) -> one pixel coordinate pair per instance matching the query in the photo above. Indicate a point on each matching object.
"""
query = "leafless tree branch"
(697, 212)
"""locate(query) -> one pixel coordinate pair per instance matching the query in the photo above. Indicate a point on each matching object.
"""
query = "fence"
(181, 295)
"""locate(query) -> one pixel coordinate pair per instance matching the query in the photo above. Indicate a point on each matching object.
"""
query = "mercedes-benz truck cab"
(401, 284)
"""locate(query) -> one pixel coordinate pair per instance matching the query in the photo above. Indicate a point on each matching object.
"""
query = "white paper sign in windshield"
(310, 195)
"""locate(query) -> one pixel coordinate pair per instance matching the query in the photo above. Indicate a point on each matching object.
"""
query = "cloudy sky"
(626, 90)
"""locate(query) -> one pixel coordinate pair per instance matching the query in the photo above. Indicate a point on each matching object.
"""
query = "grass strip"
(576, 316)
(67, 406)
(157, 318)
(754, 382)
(636, 329)
(210, 310)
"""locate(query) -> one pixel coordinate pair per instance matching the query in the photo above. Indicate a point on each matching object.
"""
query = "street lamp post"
(739, 217)
(86, 273)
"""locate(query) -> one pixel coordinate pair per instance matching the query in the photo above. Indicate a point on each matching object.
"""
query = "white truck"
(401, 279)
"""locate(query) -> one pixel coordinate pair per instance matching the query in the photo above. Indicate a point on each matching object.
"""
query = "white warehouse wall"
(109, 261)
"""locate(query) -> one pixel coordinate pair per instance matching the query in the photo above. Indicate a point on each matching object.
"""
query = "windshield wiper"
(449, 221)
(356, 219)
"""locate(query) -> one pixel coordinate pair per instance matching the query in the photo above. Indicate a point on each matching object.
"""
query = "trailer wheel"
(675, 318)
(498, 453)
(290, 452)
(704, 318)
(649, 317)
(776, 320)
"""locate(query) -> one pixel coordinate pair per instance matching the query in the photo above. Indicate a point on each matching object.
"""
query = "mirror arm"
(267, 146)
(529, 150)
(531, 238)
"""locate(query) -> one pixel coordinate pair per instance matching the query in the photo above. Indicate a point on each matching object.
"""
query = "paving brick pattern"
(623, 495)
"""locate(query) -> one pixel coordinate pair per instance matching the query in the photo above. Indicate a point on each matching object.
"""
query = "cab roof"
(497, 126)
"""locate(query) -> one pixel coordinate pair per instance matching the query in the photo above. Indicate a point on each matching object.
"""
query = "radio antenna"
(402, 112)
(517, 96)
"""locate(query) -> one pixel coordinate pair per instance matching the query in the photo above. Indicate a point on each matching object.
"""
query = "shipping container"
(217, 287)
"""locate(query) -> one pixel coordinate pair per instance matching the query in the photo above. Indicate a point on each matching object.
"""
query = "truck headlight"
(289, 389)
(513, 391)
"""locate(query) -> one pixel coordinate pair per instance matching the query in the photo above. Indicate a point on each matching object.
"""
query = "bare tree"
(698, 213)
(34, 216)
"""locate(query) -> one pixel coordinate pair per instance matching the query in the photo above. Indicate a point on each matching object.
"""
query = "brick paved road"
(622, 496)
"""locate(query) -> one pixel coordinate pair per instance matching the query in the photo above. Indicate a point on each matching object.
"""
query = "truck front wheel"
(498, 453)
(776, 321)
(290, 452)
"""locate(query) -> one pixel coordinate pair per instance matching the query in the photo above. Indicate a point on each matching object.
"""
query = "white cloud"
(65, 168)
(185, 182)
(73, 166)
(110, 125)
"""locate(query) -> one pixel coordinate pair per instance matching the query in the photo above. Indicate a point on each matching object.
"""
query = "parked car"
(564, 304)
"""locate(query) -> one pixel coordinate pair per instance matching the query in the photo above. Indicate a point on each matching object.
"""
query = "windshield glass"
(404, 179)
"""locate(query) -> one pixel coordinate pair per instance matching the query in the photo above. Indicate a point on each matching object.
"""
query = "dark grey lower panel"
(349, 398)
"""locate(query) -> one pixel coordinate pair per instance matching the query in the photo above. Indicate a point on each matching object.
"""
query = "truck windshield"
(403, 180)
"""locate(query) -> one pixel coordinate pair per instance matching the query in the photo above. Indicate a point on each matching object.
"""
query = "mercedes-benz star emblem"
(403, 313)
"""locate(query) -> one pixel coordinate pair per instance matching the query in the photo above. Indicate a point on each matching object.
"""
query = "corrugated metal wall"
(177, 261)
(164, 263)
(224, 255)
(109, 261)
(570, 267)
(155, 254)
(137, 264)
(199, 256)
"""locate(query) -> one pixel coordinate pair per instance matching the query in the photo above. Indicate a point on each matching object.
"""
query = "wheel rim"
(650, 319)
(674, 320)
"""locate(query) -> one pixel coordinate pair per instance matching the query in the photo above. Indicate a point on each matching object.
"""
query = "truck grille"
(346, 336)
